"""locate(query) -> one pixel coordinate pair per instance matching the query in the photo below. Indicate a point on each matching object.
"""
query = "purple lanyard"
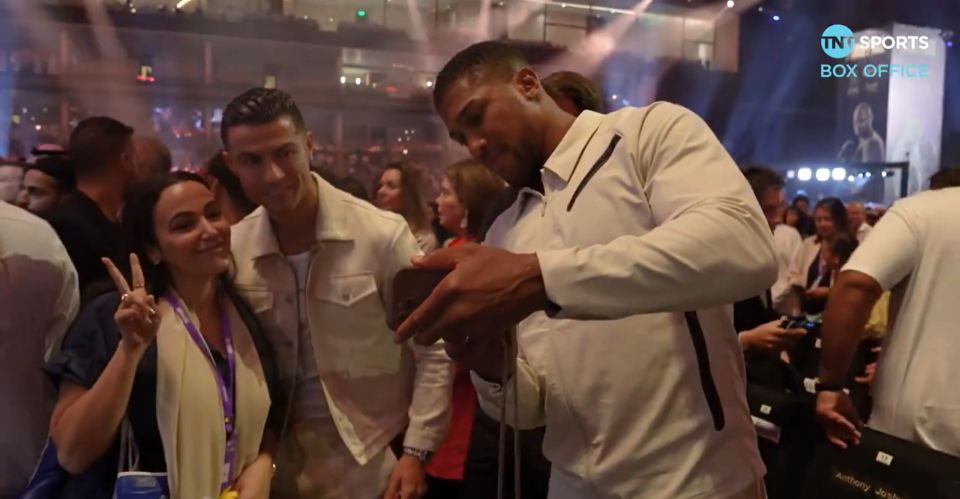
(223, 386)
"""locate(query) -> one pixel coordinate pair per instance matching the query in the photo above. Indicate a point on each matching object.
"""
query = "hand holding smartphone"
(411, 287)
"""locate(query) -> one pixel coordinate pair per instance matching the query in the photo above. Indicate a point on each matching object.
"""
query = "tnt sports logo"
(837, 41)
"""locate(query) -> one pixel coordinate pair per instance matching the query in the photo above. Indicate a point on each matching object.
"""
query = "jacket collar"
(565, 158)
(331, 223)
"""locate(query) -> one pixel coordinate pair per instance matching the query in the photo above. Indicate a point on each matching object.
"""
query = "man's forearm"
(848, 308)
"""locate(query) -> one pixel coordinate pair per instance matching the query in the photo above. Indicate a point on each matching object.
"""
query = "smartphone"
(411, 287)
(798, 323)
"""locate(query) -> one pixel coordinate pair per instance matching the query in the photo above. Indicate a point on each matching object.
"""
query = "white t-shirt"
(38, 301)
(787, 242)
(915, 251)
(311, 401)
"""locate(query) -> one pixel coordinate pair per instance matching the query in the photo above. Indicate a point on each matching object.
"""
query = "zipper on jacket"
(602, 160)
(707, 383)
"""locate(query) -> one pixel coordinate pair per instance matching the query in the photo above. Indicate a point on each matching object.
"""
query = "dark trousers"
(480, 471)
(438, 488)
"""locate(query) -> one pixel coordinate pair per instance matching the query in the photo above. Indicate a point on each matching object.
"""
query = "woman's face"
(792, 219)
(193, 237)
(824, 223)
(450, 211)
(388, 192)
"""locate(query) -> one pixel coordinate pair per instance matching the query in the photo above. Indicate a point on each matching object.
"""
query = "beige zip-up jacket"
(645, 234)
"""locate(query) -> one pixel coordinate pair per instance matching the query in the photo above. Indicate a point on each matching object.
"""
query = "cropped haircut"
(259, 106)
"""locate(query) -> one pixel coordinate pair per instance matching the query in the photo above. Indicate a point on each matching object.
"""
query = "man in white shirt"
(767, 335)
(638, 218)
(38, 300)
(857, 218)
(911, 252)
(768, 187)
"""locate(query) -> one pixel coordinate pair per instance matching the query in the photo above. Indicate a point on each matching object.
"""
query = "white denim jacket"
(375, 388)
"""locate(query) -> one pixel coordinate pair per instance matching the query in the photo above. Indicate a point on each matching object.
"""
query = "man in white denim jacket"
(632, 234)
(317, 267)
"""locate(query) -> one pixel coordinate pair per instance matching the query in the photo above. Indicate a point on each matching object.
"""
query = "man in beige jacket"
(317, 267)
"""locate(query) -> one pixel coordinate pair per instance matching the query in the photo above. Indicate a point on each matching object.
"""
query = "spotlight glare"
(776, 17)
(429, 84)
(851, 178)
(357, 80)
(868, 174)
(823, 174)
(343, 79)
(730, 4)
(883, 174)
(838, 174)
(804, 174)
(791, 174)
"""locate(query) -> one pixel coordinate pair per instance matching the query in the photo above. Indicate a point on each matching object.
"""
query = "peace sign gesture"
(136, 316)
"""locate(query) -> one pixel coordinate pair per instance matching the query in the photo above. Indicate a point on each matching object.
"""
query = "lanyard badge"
(224, 386)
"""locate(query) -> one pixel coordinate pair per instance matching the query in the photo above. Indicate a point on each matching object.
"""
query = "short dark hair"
(948, 177)
(96, 142)
(496, 57)
(59, 167)
(762, 178)
(799, 198)
(259, 106)
(582, 91)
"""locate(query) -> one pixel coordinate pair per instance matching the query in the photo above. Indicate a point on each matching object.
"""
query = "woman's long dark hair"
(412, 204)
(137, 227)
(137, 224)
(838, 213)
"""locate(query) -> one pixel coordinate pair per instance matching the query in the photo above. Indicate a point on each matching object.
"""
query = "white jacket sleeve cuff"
(492, 396)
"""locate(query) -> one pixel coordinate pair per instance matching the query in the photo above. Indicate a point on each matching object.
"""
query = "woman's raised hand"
(136, 316)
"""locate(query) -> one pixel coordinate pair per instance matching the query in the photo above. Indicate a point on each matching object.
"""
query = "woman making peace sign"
(174, 351)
